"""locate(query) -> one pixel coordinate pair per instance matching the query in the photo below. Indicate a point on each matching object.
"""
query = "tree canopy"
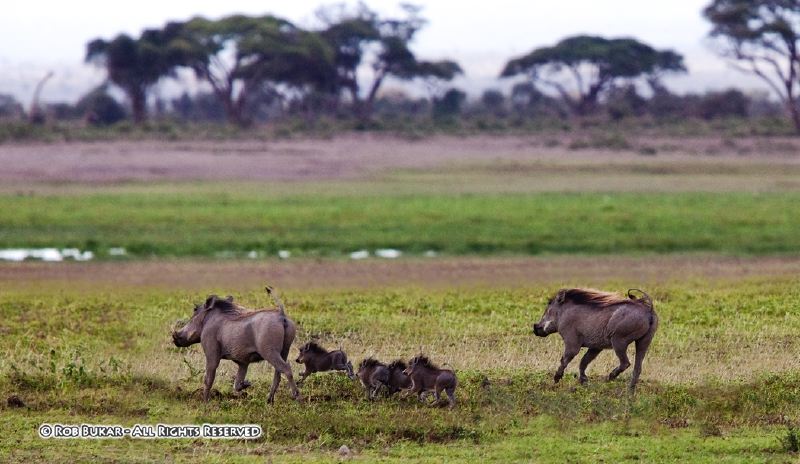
(761, 37)
(135, 65)
(237, 55)
(362, 37)
(257, 67)
(242, 56)
(594, 64)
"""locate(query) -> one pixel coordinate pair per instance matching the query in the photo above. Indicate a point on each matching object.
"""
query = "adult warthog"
(588, 318)
(226, 330)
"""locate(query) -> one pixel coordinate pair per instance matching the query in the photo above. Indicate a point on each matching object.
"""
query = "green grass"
(188, 222)
(720, 384)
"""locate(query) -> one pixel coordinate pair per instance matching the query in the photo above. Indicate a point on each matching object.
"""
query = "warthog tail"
(281, 311)
(276, 299)
(645, 298)
(450, 366)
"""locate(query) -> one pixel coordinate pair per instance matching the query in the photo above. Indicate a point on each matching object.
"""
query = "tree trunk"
(230, 112)
(588, 102)
(373, 92)
(795, 113)
(234, 108)
(358, 104)
(138, 97)
(223, 89)
(365, 112)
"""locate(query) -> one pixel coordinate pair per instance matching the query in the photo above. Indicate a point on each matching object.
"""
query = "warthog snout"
(179, 336)
(179, 340)
(538, 330)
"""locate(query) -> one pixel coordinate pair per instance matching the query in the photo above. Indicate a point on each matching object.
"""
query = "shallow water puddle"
(57, 255)
(45, 254)
(390, 253)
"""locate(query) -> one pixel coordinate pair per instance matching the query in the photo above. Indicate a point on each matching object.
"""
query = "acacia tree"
(239, 55)
(593, 64)
(135, 65)
(361, 38)
(761, 37)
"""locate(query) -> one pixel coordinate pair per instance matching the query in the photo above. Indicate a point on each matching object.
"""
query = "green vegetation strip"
(192, 223)
(720, 383)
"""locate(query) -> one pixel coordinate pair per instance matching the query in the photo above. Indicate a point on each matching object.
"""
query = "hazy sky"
(39, 35)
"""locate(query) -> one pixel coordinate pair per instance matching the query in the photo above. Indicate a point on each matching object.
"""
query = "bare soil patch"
(306, 274)
(344, 157)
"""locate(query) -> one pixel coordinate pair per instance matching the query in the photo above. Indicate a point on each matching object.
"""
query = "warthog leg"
(303, 376)
(345, 367)
(588, 357)
(569, 353)
(451, 397)
(211, 372)
(374, 391)
(621, 348)
(281, 367)
(450, 392)
(641, 350)
(276, 380)
(240, 383)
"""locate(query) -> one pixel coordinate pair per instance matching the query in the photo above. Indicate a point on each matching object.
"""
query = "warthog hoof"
(583, 380)
(244, 386)
(557, 377)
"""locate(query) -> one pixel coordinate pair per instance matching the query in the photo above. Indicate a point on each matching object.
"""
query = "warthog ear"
(211, 301)
(229, 298)
(561, 296)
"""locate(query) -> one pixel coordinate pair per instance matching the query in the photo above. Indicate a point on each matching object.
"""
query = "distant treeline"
(262, 68)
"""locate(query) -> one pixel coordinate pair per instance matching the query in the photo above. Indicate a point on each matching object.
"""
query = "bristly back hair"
(314, 348)
(422, 360)
(230, 309)
(225, 305)
(369, 362)
(592, 297)
(398, 364)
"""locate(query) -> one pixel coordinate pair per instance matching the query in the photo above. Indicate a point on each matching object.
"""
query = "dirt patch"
(345, 157)
(303, 274)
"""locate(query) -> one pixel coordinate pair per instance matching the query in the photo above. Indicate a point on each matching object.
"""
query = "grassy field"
(720, 383)
(197, 223)
(707, 226)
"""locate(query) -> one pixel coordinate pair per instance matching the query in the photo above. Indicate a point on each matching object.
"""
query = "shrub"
(100, 108)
